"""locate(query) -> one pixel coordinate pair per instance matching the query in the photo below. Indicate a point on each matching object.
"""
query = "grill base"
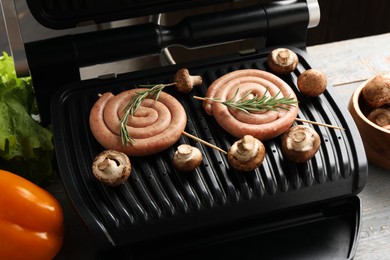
(334, 226)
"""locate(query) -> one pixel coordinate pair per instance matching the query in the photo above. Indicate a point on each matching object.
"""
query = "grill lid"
(65, 14)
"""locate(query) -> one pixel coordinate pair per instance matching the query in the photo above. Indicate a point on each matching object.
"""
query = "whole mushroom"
(282, 61)
(300, 143)
(186, 158)
(246, 154)
(312, 82)
(111, 167)
(376, 93)
(185, 82)
(380, 116)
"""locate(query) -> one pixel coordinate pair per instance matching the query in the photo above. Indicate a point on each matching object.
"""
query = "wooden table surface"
(347, 64)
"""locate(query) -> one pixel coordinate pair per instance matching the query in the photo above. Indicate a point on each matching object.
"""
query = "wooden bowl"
(376, 139)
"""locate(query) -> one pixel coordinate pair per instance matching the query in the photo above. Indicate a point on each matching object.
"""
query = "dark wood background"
(348, 19)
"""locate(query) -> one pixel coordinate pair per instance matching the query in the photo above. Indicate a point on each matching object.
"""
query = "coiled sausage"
(155, 126)
(264, 125)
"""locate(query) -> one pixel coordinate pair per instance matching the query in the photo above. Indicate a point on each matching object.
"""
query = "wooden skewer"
(204, 142)
(297, 119)
(199, 98)
(317, 123)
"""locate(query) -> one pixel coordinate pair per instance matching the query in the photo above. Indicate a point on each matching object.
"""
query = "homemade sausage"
(263, 126)
(155, 126)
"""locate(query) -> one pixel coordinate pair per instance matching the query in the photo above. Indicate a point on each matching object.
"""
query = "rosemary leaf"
(248, 104)
(134, 104)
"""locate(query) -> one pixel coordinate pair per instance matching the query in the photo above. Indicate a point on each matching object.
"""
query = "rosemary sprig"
(249, 104)
(134, 104)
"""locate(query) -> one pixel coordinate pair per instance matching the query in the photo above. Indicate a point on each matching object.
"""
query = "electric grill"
(280, 210)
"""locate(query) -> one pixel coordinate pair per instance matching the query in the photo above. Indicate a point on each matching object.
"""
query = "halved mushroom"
(312, 82)
(186, 158)
(185, 82)
(380, 116)
(111, 167)
(282, 61)
(300, 143)
(246, 154)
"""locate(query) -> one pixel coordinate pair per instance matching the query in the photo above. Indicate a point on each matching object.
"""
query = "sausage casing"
(155, 126)
(263, 126)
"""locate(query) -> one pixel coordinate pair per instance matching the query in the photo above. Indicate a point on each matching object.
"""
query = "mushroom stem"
(186, 158)
(300, 143)
(283, 56)
(185, 82)
(196, 80)
(282, 61)
(104, 164)
(111, 167)
(245, 148)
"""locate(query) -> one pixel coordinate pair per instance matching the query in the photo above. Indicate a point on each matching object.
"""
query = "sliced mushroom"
(111, 167)
(376, 93)
(282, 61)
(300, 143)
(185, 82)
(380, 116)
(312, 82)
(186, 158)
(246, 154)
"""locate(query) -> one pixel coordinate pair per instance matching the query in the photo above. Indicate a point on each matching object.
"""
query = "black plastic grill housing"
(158, 202)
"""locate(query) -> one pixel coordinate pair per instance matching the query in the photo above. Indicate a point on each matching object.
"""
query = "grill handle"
(147, 39)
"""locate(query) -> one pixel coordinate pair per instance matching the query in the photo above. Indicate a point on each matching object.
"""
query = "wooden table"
(347, 64)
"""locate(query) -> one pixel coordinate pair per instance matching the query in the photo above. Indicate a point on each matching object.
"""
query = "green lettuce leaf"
(26, 147)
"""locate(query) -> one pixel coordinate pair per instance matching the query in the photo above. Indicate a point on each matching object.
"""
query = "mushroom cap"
(282, 61)
(246, 154)
(387, 127)
(111, 167)
(300, 143)
(186, 158)
(376, 93)
(312, 82)
(185, 82)
(380, 116)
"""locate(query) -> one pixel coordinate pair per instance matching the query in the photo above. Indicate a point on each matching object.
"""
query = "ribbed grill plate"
(157, 201)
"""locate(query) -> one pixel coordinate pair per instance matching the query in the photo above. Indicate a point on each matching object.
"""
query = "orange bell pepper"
(31, 220)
